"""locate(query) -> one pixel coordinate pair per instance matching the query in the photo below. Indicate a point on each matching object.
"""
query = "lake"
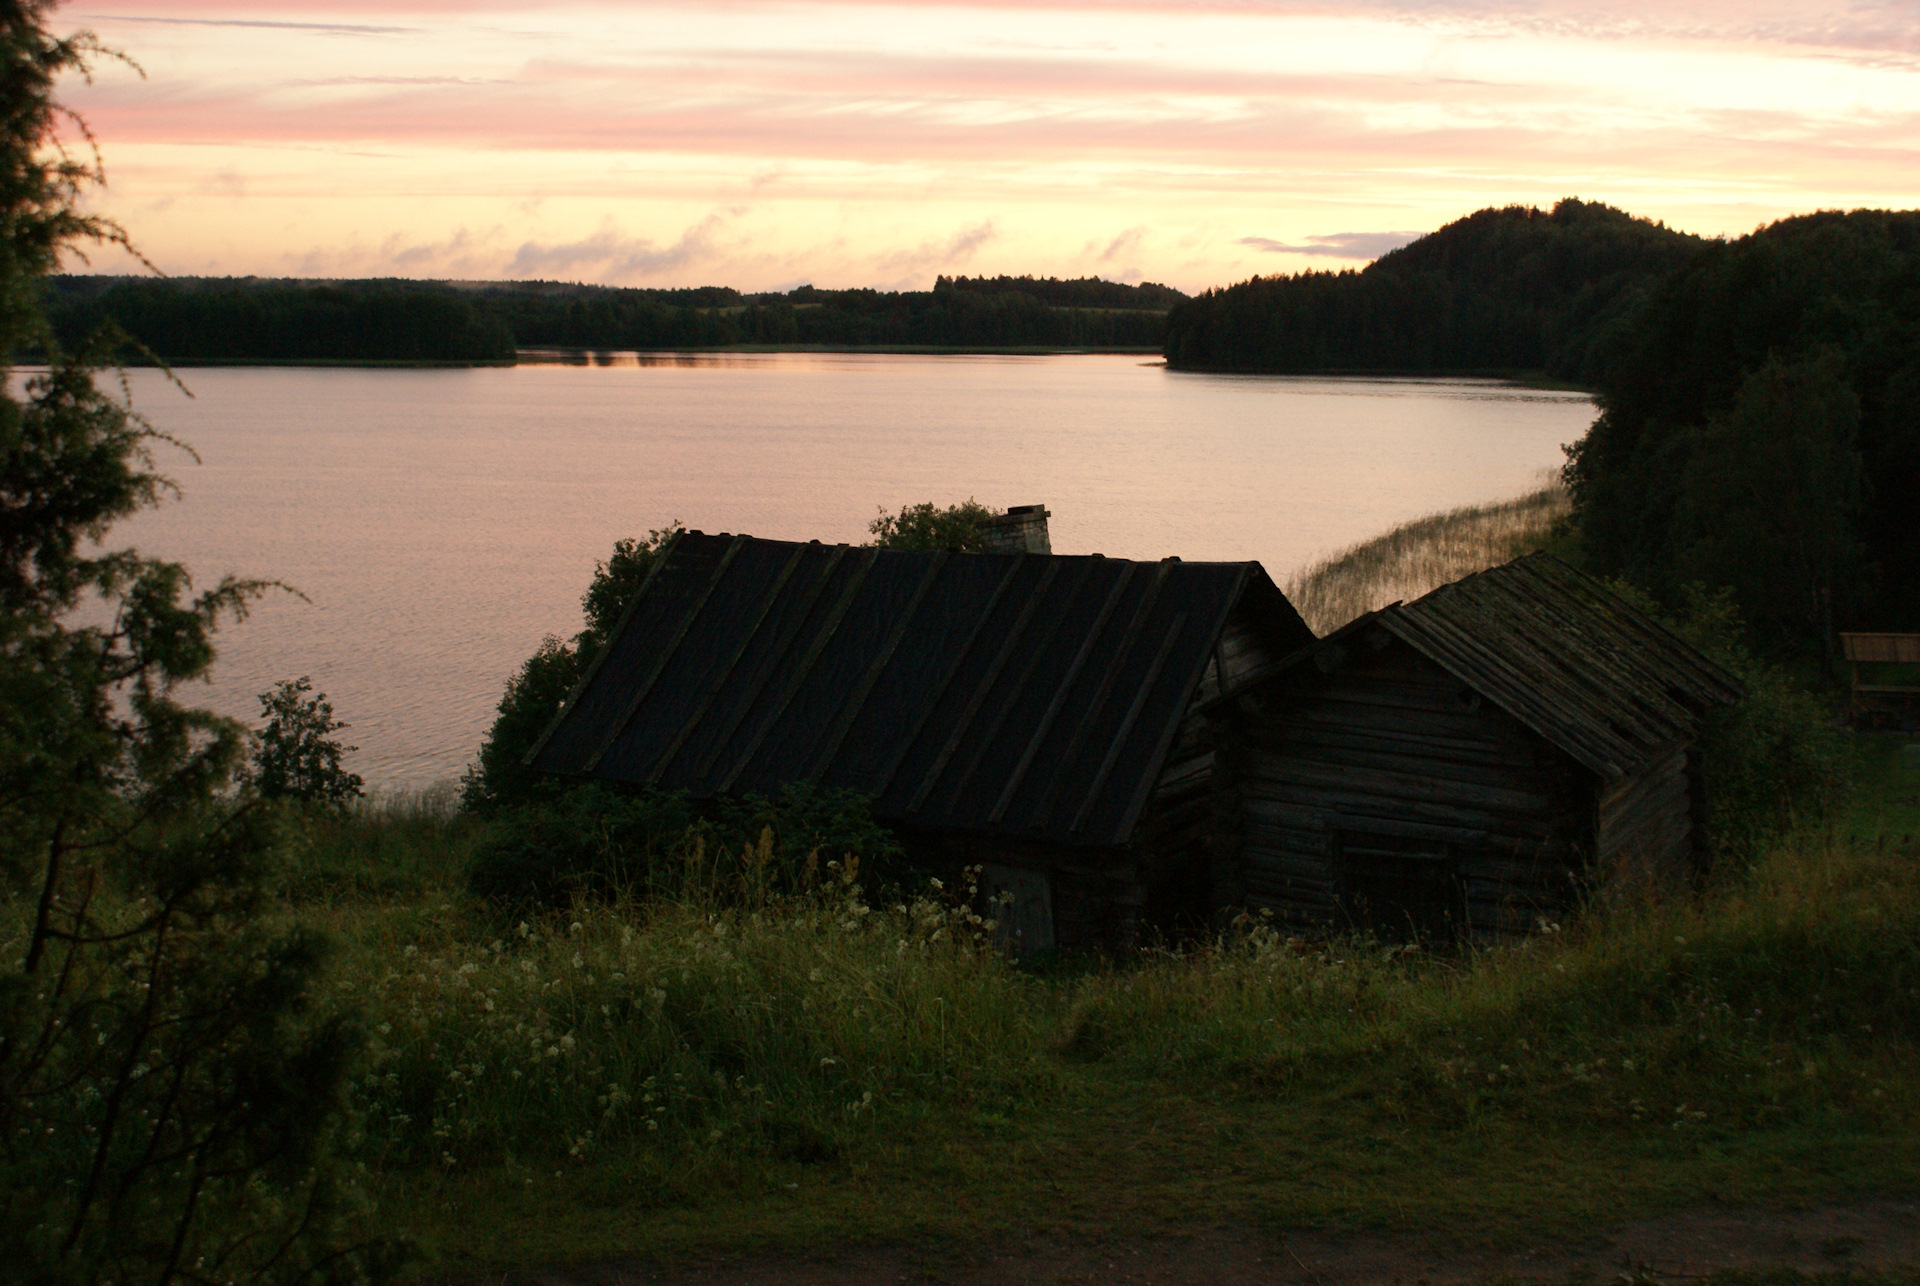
(439, 522)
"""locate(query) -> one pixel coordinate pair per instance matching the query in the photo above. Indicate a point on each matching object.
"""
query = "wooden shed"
(1473, 760)
(1037, 713)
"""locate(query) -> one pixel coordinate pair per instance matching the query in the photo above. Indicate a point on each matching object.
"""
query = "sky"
(765, 145)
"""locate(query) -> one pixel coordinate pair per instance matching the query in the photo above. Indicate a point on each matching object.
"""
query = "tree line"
(244, 319)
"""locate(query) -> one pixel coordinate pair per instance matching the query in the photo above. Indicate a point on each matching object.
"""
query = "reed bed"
(1424, 554)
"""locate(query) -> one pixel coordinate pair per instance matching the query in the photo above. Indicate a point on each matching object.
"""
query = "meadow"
(726, 1072)
(745, 1065)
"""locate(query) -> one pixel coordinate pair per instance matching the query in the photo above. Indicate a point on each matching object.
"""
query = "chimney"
(1021, 529)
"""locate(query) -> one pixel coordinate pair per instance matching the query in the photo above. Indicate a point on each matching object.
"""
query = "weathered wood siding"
(1389, 745)
(1187, 845)
(1646, 822)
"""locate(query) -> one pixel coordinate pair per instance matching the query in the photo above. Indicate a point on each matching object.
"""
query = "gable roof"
(1031, 695)
(1567, 657)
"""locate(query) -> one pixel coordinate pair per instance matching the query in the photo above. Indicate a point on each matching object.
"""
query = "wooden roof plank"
(769, 671)
(1126, 725)
(857, 699)
(801, 671)
(725, 672)
(666, 653)
(964, 724)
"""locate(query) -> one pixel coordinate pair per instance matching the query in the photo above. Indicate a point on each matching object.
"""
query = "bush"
(499, 776)
(596, 841)
(1776, 759)
(927, 526)
(296, 755)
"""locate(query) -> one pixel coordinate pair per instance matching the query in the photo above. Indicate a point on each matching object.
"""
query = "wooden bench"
(1881, 649)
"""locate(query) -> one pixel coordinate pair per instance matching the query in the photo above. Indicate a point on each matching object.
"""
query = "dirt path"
(1862, 1237)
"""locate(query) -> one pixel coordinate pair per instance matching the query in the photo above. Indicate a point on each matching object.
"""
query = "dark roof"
(1567, 657)
(1032, 695)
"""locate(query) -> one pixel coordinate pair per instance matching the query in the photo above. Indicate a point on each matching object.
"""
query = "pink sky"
(877, 144)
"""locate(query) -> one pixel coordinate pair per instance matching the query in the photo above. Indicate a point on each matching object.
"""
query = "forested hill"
(249, 319)
(1502, 290)
(1760, 430)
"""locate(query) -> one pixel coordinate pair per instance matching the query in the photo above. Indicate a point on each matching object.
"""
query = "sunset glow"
(763, 145)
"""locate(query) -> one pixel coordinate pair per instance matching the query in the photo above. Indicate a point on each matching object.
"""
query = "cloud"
(957, 248)
(333, 28)
(1126, 243)
(609, 254)
(1336, 245)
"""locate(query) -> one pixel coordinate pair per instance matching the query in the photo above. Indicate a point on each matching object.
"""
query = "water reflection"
(442, 521)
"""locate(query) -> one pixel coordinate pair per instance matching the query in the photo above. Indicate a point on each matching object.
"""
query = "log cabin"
(1474, 762)
(1035, 714)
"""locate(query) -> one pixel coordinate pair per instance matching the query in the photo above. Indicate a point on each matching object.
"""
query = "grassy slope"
(1651, 1058)
(1757, 1044)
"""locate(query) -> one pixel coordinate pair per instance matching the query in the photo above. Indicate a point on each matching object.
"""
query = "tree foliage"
(167, 1088)
(241, 320)
(928, 526)
(499, 776)
(1760, 429)
(297, 755)
(1510, 289)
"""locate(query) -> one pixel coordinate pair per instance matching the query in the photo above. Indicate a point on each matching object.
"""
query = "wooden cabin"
(1036, 713)
(1471, 761)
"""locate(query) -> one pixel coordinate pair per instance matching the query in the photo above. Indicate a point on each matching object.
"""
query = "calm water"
(441, 522)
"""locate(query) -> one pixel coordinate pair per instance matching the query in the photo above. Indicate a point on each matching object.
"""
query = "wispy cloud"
(622, 139)
(336, 28)
(1126, 243)
(1335, 245)
(611, 255)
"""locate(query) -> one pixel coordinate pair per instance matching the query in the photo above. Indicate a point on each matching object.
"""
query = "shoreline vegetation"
(193, 321)
(1424, 554)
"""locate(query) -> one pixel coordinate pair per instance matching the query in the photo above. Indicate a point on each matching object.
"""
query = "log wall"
(1646, 823)
(1389, 746)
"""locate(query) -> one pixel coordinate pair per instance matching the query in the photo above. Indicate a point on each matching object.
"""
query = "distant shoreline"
(594, 356)
(586, 356)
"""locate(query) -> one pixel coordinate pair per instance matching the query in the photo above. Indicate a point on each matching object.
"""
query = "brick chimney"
(1021, 529)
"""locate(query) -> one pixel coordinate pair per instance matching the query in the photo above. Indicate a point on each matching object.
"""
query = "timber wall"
(1390, 745)
(1646, 823)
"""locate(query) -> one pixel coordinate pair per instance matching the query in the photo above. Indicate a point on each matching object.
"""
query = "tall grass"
(397, 844)
(1422, 555)
(676, 1028)
(803, 1029)
(1795, 990)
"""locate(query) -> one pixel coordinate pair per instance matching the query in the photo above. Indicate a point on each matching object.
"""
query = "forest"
(1760, 431)
(247, 319)
(1502, 291)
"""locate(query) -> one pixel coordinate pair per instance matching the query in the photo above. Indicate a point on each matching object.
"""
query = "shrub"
(927, 526)
(597, 841)
(297, 756)
(499, 776)
(1777, 758)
